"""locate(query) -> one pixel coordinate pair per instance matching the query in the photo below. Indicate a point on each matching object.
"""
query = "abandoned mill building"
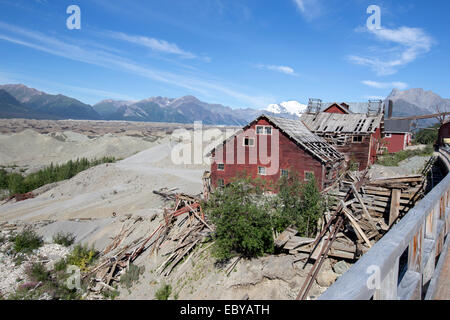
(270, 147)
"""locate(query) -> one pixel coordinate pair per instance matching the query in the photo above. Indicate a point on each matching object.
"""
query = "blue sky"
(246, 53)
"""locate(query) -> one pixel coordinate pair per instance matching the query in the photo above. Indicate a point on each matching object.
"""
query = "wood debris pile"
(361, 212)
(184, 226)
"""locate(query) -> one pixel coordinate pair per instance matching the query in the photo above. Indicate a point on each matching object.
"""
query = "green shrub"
(16, 183)
(427, 136)
(64, 239)
(164, 292)
(27, 241)
(243, 224)
(392, 160)
(82, 257)
(131, 276)
(37, 272)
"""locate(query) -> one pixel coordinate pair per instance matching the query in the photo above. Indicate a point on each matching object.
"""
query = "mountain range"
(20, 101)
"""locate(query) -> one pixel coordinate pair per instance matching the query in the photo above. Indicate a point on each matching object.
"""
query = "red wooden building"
(444, 135)
(356, 135)
(397, 135)
(270, 147)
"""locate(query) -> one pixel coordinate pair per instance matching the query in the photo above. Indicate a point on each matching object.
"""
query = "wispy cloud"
(205, 86)
(157, 45)
(309, 9)
(282, 69)
(385, 85)
(409, 44)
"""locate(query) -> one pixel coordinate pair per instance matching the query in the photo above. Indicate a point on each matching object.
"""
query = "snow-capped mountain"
(292, 108)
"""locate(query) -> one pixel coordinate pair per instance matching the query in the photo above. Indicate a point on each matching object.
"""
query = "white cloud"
(385, 85)
(152, 43)
(207, 87)
(310, 9)
(409, 44)
(282, 69)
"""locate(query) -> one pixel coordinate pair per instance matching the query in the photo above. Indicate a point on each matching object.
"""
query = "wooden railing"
(402, 264)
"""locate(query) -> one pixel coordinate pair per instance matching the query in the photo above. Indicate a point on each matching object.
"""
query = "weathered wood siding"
(444, 132)
(396, 142)
(291, 157)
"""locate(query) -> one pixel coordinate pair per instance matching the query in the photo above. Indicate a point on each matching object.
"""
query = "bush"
(16, 183)
(38, 273)
(27, 241)
(298, 203)
(81, 256)
(392, 160)
(164, 292)
(243, 225)
(132, 275)
(427, 136)
(64, 239)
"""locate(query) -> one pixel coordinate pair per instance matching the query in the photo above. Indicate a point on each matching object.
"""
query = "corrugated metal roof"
(392, 126)
(345, 123)
(297, 131)
(303, 136)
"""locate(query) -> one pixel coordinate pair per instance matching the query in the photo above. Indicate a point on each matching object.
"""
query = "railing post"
(388, 286)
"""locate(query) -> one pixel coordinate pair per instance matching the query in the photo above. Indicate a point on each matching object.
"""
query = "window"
(284, 173)
(220, 183)
(388, 135)
(220, 166)
(309, 175)
(249, 142)
(357, 138)
(264, 130)
(262, 171)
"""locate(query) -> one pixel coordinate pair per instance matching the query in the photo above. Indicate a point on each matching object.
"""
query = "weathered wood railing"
(417, 239)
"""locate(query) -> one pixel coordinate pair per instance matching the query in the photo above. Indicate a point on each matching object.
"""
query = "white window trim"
(281, 172)
(250, 145)
(218, 169)
(388, 135)
(263, 130)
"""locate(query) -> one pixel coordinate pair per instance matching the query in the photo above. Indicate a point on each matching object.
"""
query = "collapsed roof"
(353, 123)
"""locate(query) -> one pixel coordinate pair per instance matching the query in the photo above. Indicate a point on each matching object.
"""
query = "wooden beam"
(395, 206)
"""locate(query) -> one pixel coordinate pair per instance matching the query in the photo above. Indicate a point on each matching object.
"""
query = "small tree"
(243, 224)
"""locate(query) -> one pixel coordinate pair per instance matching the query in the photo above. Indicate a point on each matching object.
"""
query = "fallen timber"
(364, 210)
(190, 231)
(420, 239)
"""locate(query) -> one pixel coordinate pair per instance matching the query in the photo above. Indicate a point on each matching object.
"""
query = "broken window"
(284, 173)
(220, 166)
(357, 138)
(220, 182)
(262, 171)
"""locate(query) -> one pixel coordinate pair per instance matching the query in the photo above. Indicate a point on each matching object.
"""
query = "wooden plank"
(364, 209)
(395, 206)
(356, 226)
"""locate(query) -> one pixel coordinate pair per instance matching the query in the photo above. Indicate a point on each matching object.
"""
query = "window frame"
(264, 130)
(223, 167)
(220, 182)
(249, 139)
(284, 175)
(262, 174)
(359, 137)
(388, 135)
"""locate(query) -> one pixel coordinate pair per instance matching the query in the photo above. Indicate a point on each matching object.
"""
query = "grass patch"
(392, 160)
(164, 292)
(132, 275)
(27, 241)
(64, 239)
(17, 183)
(37, 272)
